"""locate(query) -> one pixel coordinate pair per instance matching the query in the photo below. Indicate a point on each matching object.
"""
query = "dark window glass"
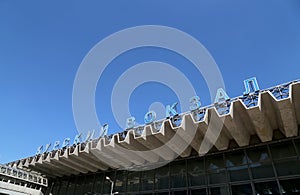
(162, 178)
(107, 183)
(291, 186)
(133, 182)
(282, 150)
(287, 167)
(147, 180)
(259, 154)
(71, 186)
(56, 187)
(262, 170)
(162, 193)
(217, 176)
(219, 191)
(88, 184)
(260, 162)
(196, 174)
(78, 187)
(297, 143)
(214, 162)
(63, 186)
(237, 166)
(182, 192)
(178, 174)
(198, 192)
(120, 181)
(235, 159)
(244, 189)
(98, 183)
(238, 173)
(267, 188)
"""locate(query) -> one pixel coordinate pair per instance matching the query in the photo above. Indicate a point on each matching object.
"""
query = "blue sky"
(43, 43)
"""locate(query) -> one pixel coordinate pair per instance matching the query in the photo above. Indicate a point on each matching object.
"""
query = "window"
(120, 181)
(98, 183)
(223, 190)
(198, 192)
(287, 167)
(147, 180)
(182, 192)
(267, 188)
(260, 162)
(133, 181)
(216, 171)
(291, 186)
(196, 173)
(244, 189)
(63, 186)
(162, 178)
(178, 174)
(237, 167)
(88, 184)
(283, 150)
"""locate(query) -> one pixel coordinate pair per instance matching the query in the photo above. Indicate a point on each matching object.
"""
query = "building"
(256, 152)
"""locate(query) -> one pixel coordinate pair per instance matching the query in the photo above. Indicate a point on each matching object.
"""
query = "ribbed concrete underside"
(155, 146)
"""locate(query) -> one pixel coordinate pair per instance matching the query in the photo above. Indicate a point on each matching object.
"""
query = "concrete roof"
(244, 117)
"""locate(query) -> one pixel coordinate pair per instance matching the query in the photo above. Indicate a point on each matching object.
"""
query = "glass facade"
(269, 168)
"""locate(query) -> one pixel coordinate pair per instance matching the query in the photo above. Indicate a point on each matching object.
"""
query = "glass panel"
(88, 184)
(291, 186)
(162, 178)
(260, 162)
(196, 174)
(71, 186)
(258, 154)
(262, 170)
(120, 181)
(288, 167)
(266, 188)
(63, 187)
(219, 191)
(282, 150)
(237, 166)
(147, 180)
(214, 162)
(244, 189)
(198, 192)
(235, 159)
(56, 187)
(98, 183)
(178, 174)
(217, 176)
(78, 187)
(297, 143)
(162, 193)
(182, 192)
(133, 182)
(239, 173)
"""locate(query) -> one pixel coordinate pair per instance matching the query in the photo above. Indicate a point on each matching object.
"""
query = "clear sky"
(42, 44)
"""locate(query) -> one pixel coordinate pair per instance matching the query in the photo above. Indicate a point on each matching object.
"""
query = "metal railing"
(23, 175)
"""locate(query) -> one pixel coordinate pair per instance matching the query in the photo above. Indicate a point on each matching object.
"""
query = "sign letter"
(130, 122)
(171, 110)
(251, 85)
(221, 96)
(195, 103)
(149, 117)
